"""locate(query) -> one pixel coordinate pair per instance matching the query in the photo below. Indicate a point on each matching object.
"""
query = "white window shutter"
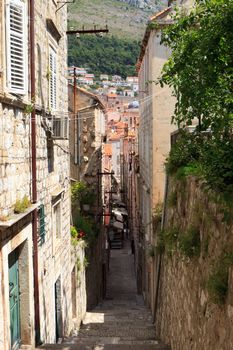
(53, 79)
(16, 31)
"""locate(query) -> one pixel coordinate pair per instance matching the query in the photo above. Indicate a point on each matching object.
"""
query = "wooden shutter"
(53, 79)
(16, 46)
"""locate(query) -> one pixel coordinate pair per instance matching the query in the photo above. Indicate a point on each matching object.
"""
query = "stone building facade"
(87, 136)
(87, 132)
(35, 252)
(156, 109)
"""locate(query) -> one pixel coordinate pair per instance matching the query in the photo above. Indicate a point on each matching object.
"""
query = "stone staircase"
(117, 242)
(121, 321)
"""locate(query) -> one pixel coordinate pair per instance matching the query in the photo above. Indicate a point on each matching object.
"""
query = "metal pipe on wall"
(34, 174)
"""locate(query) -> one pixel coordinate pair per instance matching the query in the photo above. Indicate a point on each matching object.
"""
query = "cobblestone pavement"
(122, 321)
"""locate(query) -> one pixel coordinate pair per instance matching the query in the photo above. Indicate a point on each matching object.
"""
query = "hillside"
(110, 55)
(116, 52)
(122, 18)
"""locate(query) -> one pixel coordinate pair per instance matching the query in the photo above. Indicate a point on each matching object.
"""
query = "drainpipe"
(75, 121)
(33, 165)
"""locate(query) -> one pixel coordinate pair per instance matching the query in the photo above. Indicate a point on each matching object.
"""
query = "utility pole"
(88, 31)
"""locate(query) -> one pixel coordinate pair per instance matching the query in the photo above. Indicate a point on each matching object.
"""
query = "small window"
(57, 219)
(16, 46)
(53, 78)
(41, 230)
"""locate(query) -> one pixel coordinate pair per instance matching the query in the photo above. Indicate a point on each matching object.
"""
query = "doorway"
(14, 300)
(58, 309)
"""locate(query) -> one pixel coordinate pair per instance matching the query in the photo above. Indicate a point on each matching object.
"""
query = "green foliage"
(153, 26)
(77, 190)
(208, 157)
(81, 193)
(172, 199)
(200, 67)
(217, 163)
(217, 284)
(189, 242)
(151, 251)
(172, 238)
(85, 262)
(87, 228)
(168, 240)
(76, 237)
(109, 54)
(78, 264)
(157, 215)
(73, 232)
(22, 205)
(184, 153)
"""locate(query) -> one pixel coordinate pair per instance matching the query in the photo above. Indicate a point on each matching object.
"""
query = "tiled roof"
(160, 14)
(95, 97)
(108, 149)
(112, 95)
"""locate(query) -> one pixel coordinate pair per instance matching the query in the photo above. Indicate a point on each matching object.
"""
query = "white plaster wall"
(162, 111)
(115, 156)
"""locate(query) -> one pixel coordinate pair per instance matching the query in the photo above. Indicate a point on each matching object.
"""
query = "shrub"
(184, 152)
(82, 194)
(21, 205)
(189, 242)
(172, 199)
(157, 215)
(217, 284)
(217, 164)
(86, 227)
(168, 240)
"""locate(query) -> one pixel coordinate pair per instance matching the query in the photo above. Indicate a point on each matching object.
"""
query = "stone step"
(109, 340)
(104, 347)
(117, 326)
(138, 333)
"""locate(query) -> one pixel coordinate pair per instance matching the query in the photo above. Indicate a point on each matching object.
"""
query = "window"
(41, 231)
(16, 46)
(57, 219)
(53, 78)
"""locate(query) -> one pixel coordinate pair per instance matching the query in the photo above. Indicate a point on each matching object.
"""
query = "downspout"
(33, 167)
(75, 121)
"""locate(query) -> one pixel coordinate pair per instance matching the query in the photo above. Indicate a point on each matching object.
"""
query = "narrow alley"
(121, 321)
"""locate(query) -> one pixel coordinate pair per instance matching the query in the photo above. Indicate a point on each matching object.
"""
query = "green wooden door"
(14, 299)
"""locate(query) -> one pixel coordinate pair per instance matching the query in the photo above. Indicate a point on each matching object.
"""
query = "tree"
(200, 69)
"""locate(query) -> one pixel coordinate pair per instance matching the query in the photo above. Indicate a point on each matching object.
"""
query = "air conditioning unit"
(60, 127)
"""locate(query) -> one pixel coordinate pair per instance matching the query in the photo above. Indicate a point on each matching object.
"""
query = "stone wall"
(96, 272)
(187, 317)
(15, 177)
(78, 271)
(52, 168)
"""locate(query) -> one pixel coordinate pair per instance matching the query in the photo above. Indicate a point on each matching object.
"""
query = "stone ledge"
(17, 217)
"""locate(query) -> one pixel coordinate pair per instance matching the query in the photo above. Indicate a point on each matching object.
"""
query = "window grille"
(41, 230)
(16, 46)
(60, 127)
